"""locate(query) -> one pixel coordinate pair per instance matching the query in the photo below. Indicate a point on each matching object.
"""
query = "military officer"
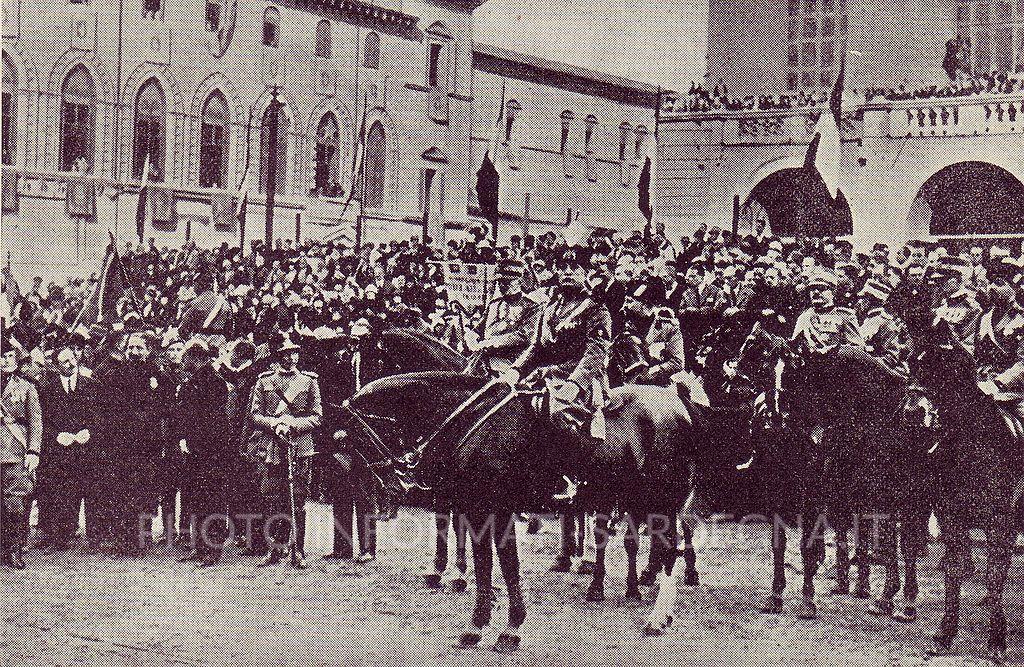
(1000, 342)
(885, 337)
(285, 409)
(509, 321)
(955, 303)
(20, 440)
(824, 325)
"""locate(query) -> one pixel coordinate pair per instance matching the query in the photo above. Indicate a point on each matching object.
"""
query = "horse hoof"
(648, 577)
(657, 629)
(595, 593)
(996, 655)
(862, 592)
(506, 643)
(633, 593)
(432, 581)
(840, 589)
(586, 567)
(880, 607)
(772, 606)
(905, 615)
(690, 578)
(561, 564)
(807, 611)
(938, 647)
(459, 585)
(469, 639)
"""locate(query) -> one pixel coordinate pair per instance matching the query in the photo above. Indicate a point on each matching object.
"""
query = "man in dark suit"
(66, 472)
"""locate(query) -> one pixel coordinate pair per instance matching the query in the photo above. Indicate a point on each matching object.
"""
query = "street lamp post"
(274, 109)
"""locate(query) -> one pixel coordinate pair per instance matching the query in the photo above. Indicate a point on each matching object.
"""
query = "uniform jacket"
(1000, 348)
(294, 395)
(202, 415)
(510, 321)
(664, 352)
(963, 314)
(886, 338)
(822, 331)
(571, 341)
(22, 428)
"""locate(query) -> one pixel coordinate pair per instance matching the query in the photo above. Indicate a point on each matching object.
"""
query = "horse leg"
(508, 560)
(842, 529)
(774, 603)
(690, 577)
(631, 543)
(999, 538)
(587, 539)
(957, 543)
(650, 573)
(442, 521)
(812, 552)
(459, 583)
(910, 549)
(596, 591)
(883, 605)
(563, 562)
(483, 561)
(663, 612)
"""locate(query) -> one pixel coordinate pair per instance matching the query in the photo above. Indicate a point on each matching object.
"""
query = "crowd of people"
(134, 424)
(700, 99)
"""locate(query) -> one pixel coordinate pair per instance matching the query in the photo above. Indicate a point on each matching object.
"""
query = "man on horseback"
(999, 349)
(955, 303)
(825, 326)
(885, 336)
(510, 319)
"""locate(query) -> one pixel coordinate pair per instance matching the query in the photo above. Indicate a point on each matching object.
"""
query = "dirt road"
(86, 609)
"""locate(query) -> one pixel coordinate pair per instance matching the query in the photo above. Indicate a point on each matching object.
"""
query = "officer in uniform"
(508, 323)
(824, 325)
(955, 303)
(285, 410)
(1000, 342)
(20, 439)
(885, 337)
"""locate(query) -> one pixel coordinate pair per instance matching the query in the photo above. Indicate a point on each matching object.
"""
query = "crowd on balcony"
(992, 83)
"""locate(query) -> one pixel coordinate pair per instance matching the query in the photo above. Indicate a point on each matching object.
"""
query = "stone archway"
(969, 198)
(794, 201)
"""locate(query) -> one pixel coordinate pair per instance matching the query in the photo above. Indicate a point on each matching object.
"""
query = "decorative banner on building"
(469, 284)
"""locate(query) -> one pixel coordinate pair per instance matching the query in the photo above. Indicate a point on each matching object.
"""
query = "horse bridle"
(387, 455)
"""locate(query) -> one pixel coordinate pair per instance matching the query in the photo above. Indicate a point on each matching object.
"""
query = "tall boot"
(300, 531)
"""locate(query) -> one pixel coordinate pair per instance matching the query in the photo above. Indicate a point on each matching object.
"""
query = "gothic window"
(371, 51)
(625, 129)
(326, 178)
(213, 149)
(566, 125)
(9, 111)
(434, 64)
(150, 130)
(322, 45)
(641, 141)
(512, 109)
(78, 109)
(281, 156)
(374, 174)
(271, 26)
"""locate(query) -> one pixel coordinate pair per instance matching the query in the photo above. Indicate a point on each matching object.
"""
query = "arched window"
(566, 126)
(371, 51)
(591, 123)
(625, 129)
(327, 157)
(440, 63)
(512, 109)
(641, 140)
(150, 126)
(77, 114)
(281, 157)
(271, 26)
(374, 174)
(322, 47)
(10, 110)
(213, 149)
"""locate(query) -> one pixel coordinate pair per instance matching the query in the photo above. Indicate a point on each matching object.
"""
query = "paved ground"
(83, 609)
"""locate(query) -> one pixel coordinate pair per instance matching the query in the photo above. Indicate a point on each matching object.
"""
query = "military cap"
(282, 344)
(950, 265)
(509, 268)
(823, 278)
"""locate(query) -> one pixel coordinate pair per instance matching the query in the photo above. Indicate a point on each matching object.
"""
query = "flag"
(357, 160)
(100, 310)
(140, 209)
(10, 287)
(243, 202)
(644, 191)
(824, 153)
(487, 177)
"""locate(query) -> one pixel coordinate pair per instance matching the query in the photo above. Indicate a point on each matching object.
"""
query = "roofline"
(505, 62)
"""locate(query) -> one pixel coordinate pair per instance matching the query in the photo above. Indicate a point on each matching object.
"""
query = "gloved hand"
(65, 438)
(510, 376)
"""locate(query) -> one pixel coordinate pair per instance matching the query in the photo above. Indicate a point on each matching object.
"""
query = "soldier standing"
(285, 410)
(20, 440)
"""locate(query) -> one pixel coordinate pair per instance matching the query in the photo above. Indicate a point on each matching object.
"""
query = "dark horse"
(834, 425)
(512, 460)
(979, 478)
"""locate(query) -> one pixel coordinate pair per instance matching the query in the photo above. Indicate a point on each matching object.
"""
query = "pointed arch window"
(9, 110)
(271, 26)
(371, 51)
(213, 149)
(322, 46)
(281, 156)
(328, 158)
(567, 118)
(77, 119)
(150, 130)
(588, 149)
(625, 133)
(374, 174)
(641, 141)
